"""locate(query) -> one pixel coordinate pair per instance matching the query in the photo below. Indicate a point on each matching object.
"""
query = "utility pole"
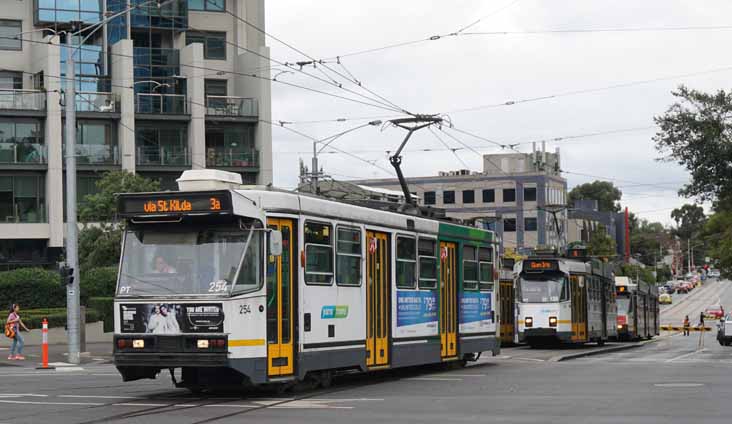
(72, 255)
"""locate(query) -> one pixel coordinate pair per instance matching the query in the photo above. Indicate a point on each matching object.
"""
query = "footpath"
(98, 347)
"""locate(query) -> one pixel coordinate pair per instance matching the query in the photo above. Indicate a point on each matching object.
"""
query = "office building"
(159, 90)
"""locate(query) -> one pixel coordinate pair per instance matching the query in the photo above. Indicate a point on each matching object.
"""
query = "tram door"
(506, 295)
(579, 308)
(281, 272)
(378, 309)
(448, 299)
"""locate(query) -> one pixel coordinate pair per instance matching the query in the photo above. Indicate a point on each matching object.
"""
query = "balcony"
(88, 101)
(172, 156)
(165, 104)
(32, 100)
(25, 211)
(172, 15)
(96, 154)
(232, 106)
(222, 157)
(22, 153)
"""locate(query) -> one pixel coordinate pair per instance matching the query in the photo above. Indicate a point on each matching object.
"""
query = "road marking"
(143, 404)
(28, 402)
(99, 397)
(674, 385)
(684, 355)
(433, 379)
(530, 359)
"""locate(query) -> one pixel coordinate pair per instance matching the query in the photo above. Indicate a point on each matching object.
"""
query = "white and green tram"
(239, 285)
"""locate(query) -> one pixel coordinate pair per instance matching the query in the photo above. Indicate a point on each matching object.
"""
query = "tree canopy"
(601, 244)
(607, 195)
(102, 206)
(689, 219)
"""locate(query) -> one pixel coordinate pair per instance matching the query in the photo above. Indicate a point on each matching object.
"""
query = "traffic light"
(67, 275)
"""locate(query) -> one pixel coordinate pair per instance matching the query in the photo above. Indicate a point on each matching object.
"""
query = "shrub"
(31, 288)
(98, 282)
(33, 318)
(105, 307)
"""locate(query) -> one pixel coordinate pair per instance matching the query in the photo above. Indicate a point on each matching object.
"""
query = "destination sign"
(541, 265)
(174, 203)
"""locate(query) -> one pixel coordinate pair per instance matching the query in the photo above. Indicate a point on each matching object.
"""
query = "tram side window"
(318, 254)
(470, 268)
(406, 262)
(427, 264)
(485, 256)
(348, 257)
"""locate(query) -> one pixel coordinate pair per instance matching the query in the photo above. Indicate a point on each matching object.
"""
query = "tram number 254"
(245, 309)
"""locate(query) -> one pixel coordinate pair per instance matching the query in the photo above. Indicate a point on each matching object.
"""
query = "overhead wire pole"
(411, 125)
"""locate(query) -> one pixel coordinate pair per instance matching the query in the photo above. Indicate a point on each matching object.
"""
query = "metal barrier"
(22, 99)
(231, 106)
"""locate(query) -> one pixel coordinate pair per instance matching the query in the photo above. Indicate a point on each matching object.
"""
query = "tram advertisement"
(476, 313)
(416, 310)
(172, 318)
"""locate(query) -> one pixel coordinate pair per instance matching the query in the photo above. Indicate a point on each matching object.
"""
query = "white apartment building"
(159, 90)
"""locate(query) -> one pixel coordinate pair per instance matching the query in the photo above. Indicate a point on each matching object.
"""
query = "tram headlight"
(620, 326)
(528, 321)
(552, 321)
(138, 344)
(202, 344)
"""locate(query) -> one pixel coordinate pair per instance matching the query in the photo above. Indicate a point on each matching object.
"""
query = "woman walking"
(14, 321)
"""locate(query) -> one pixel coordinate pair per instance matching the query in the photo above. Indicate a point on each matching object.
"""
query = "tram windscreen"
(189, 261)
(623, 304)
(543, 288)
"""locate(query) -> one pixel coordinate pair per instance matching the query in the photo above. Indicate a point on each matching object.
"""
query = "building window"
(207, 5)
(485, 256)
(348, 257)
(214, 43)
(64, 11)
(429, 198)
(162, 145)
(529, 194)
(22, 199)
(21, 141)
(9, 29)
(468, 196)
(10, 80)
(427, 264)
(95, 143)
(489, 195)
(509, 194)
(215, 87)
(470, 268)
(530, 224)
(318, 254)
(509, 225)
(448, 197)
(406, 262)
(231, 146)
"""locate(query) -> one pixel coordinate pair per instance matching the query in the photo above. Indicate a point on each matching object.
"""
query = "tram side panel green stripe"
(458, 231)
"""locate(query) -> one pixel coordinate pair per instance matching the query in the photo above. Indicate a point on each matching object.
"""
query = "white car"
(724, 332)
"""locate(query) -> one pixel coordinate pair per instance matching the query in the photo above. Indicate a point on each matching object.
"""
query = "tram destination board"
(174, 203)
(540, 265)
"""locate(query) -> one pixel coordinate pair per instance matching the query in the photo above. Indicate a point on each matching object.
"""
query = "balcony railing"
(231, 158)
(22, 99)
(96, 154)
(88, 101)
(23, 213)
(166, 104)
(22, 153)
(231, 106)
(163, 156)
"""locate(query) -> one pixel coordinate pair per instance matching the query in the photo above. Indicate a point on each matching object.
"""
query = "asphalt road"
(675, 379)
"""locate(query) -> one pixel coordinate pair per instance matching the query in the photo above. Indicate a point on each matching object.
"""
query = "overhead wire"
(452, 150)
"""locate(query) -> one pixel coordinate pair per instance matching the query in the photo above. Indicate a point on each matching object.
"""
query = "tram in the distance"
(562, 300)
(637, 309)
(237, 285)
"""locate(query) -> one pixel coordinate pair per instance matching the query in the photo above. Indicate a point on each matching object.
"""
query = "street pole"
(315, 172)
(72, 256)
(688, 253)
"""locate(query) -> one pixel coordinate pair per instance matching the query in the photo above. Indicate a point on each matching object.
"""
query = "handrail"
(171, 104)
(14, 99)
(231, 106)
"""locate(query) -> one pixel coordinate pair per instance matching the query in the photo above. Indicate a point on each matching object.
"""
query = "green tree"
(647, 241)
(100, 242)
(601, 244)
(689, 219)
(635, 272)
(695, 132)
(718, 234)
(607, 195)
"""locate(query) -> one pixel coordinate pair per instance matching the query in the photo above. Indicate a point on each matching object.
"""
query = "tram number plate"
(245, 309)
(218, 286)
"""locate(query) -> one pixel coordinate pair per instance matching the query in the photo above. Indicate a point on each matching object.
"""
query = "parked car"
(670, 287)
(714, 312)
(713, 273)
(682, 287)
(665, 299)
(724, 331)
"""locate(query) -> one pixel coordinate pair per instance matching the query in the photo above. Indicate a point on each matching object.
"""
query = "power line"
(601, 30)
(452, 150)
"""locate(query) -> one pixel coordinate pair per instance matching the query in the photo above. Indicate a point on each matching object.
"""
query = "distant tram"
(251, 286)
(637, 309)
(562, 300)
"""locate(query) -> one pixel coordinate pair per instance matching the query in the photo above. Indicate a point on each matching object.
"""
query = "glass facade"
(96, 143)
(207, 5)
(231, 147)
(22, 198)
(214, 43)
(65, 11)
(21, 142)
(89, 66)
(172, 15)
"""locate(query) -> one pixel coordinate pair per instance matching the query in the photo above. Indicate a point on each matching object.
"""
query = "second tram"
(638, 309)
(562, 300)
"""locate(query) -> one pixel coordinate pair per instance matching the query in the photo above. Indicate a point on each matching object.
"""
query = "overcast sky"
(453, 73)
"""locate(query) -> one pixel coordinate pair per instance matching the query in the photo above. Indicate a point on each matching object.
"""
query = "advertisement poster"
(476, 313)
(172, 318)
(416, 307)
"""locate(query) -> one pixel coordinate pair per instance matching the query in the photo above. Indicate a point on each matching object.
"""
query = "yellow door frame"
(377, 299)
(448, 299)
(280, 353)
